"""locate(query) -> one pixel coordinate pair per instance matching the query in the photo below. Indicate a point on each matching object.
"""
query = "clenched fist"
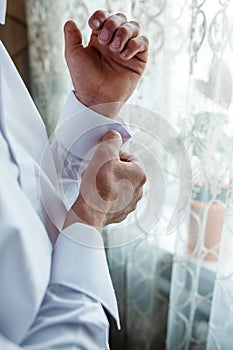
(108, 69)
(111, 186)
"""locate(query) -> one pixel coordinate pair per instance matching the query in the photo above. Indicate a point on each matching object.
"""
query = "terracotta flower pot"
(205, 228)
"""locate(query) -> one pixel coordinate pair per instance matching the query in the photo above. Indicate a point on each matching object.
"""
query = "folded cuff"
(81, 129)
(79, 262)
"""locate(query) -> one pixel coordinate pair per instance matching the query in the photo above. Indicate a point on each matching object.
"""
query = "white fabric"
(90, 254)
(36, 312)
(3, 6)
(80, 129)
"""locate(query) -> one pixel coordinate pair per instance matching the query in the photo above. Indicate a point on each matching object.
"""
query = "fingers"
(126, 157)
(110, 146)
(136, 47)
(135, 172)
(122, 214)
(72, 34)
(121, 36)
(97, 19)
(135, 163)
(73, 38)
(107, 32)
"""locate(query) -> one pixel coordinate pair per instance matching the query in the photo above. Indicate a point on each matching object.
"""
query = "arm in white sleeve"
(49, 302)
(78, 132)
(67, 320)
(72, 313)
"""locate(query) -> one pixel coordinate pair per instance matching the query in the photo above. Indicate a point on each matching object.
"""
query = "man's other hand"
(111, 186)
(108, 69)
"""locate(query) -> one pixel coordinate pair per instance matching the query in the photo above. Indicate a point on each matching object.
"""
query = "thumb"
(73, 37)
(110, 145)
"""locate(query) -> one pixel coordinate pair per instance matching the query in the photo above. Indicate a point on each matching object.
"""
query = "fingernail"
(124, 53)
(116, 42)
(104, 35)
(96, 23)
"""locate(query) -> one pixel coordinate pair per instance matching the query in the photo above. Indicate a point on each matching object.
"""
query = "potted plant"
(212, 147)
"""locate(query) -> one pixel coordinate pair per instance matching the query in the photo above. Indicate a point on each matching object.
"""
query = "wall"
(14, 36)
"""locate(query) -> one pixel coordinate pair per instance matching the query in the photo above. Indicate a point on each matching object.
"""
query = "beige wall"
(14, 36)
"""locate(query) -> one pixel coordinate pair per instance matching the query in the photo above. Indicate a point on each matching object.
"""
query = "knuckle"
(120, 218)
(112, 134)
(140, 194)
(134, 205)
(121, 15)
(145, 40)
(144, 179)
(122, 31)
(100, 14)
(141, 176)
(132, 44)
(135, 24)
(114, 21)
(110, 24)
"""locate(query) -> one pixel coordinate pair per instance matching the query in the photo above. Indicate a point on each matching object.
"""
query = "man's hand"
(111, 186)
(108, 69)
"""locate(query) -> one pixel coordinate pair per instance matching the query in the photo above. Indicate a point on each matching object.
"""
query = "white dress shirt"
(2, 11)
(50, 298)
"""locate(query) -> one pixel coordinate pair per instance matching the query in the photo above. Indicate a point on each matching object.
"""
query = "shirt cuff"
(79, 262)
(81, 129)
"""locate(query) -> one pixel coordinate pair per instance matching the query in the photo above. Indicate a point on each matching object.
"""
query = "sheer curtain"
(174, 287)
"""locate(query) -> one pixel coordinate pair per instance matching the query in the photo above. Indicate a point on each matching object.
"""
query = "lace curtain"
(175, 289)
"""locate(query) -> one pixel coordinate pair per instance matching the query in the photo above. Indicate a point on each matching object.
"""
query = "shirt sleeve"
(78, 132)
(77, 323)
(72, 313)
(49, 302)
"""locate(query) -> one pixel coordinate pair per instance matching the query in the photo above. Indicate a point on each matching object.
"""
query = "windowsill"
(168, 244)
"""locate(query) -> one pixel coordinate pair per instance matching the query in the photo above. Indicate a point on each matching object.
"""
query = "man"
(56, 297)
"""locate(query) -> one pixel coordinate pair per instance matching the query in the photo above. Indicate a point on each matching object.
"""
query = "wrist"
(107, 109)
(83, 213)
